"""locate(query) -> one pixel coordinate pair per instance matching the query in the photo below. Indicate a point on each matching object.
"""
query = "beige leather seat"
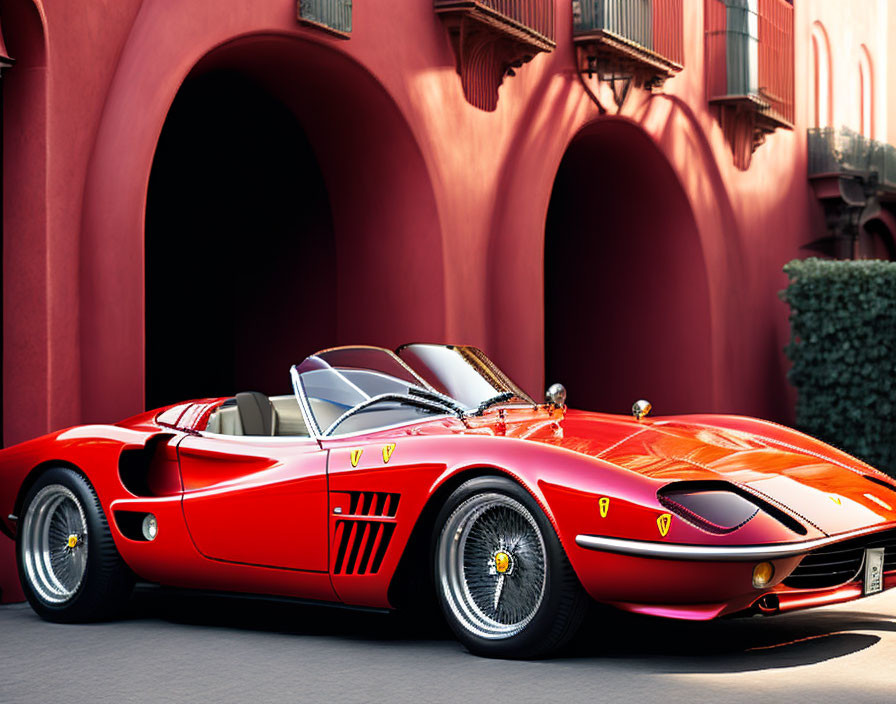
(286, 419)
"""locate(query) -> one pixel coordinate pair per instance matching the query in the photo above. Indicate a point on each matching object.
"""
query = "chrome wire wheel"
(492, 565)
(54, 544)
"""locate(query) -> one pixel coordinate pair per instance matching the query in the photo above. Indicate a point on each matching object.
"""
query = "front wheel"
(68, 564)
(504, 582)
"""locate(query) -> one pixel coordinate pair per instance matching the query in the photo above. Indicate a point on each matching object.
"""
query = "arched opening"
(627, 312)
(866, 94)
(820, 88)
(239, 236)
(876, 239)
(288, 209)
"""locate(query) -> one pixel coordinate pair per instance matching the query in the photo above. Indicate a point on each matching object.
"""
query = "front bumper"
(701, 582)
(712, 553)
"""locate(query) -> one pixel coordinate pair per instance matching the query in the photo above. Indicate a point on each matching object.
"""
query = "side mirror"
(556, 394)
(641, 408)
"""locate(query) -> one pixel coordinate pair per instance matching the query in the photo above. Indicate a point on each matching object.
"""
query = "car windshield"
(462, 372)
(359, 389)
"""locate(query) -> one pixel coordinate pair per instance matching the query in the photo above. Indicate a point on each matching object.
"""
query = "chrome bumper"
(712, 553)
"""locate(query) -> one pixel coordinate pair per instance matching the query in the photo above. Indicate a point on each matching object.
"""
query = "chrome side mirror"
(556, 394)
(641, 408)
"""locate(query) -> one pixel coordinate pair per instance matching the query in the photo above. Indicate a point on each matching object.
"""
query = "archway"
(876, 239)
(627, 311)
(238, 226)
(288, 209)
(821, 86)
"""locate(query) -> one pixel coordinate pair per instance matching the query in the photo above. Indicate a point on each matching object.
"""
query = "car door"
(256, 500)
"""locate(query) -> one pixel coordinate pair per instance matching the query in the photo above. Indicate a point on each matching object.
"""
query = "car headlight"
(714, 508)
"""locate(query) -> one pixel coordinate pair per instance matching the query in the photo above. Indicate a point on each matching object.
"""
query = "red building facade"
(198, 194)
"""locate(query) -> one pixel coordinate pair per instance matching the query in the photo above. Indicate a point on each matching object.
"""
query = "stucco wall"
(849, 27)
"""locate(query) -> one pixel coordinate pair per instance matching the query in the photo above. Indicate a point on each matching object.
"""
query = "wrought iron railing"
(845, 151)
(655, 25)
(749, 53)
(532, 15)
(330, 14)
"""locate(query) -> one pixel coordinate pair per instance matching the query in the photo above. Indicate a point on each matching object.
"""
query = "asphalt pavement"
(194, 648)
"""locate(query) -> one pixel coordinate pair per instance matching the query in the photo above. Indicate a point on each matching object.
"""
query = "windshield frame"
(430, 396)
(319, 433)
(480, 364)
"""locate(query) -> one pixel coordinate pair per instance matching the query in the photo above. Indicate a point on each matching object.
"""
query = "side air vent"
(718, 506)
(361, 546)
(841, 562)
(151, 470)
(362, 536)
(372, 503)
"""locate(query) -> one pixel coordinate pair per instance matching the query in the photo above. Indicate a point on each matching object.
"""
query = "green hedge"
(843, 350)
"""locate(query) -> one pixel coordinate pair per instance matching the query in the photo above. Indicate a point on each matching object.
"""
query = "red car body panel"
(275, 491)
(330, 520)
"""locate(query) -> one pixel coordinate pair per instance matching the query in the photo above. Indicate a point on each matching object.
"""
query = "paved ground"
(204, 649)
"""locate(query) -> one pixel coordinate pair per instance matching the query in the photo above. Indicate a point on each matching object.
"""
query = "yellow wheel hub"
(502, 562)
(72, 541)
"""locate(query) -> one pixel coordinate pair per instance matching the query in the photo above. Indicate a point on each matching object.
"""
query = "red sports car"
(387, 471)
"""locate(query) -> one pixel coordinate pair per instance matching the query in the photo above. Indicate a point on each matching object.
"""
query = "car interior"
(253, 413)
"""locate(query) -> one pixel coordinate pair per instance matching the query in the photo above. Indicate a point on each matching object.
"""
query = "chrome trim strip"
(712, 553)
(295, 439)
(13, 517)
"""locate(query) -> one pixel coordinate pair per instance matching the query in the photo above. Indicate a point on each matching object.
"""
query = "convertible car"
(388, 475)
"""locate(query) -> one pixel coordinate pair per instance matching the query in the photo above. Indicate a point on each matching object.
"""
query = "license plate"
(874, 570)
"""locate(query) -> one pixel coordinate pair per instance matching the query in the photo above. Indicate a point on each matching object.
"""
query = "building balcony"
(331, 16)
(844, 152)
(643, 39)
(530, 22)
(492, 38)
(749, 70)
(854, 179)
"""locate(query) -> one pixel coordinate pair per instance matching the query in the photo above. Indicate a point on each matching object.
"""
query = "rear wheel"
(504, 582)
(68, 564)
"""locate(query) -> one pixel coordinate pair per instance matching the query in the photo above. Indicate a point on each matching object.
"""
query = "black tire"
(531, 625)
(99, 585)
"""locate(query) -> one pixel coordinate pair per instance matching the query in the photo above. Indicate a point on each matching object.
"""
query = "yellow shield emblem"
(663, 523)
(604, 505)
(356, 457)
(387, 451)
(502, 562)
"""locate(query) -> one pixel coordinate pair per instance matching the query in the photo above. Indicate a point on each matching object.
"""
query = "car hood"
(826, 487)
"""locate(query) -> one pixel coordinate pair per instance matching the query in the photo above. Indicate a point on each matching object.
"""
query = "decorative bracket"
(849, 200)
(488, 45)
(746, 121)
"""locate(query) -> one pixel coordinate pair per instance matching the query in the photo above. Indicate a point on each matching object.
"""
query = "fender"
(94, 450)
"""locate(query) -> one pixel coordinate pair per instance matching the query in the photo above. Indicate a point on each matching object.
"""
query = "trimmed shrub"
(843, 350)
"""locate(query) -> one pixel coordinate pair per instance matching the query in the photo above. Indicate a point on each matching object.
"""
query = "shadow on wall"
(627, 312)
